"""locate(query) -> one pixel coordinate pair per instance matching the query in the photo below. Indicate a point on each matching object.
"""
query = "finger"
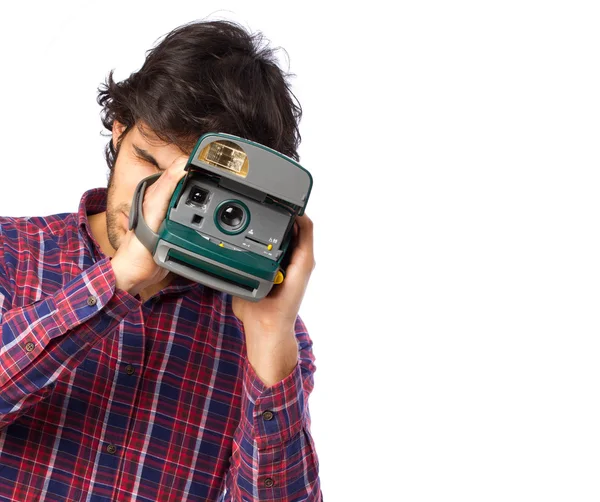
(302, 261)
(163, 188)
(305, 244)
(158, 195)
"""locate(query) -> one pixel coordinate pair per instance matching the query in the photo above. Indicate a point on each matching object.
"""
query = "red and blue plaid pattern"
(107, 398)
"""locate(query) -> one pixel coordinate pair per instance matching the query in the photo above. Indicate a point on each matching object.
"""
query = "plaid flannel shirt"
(104, 397)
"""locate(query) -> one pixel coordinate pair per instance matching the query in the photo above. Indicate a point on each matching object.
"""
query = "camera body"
(229, 224)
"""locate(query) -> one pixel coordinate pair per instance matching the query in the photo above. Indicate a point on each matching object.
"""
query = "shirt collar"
(92, 202)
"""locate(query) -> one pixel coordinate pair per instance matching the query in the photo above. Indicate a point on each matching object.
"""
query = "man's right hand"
(133, 265)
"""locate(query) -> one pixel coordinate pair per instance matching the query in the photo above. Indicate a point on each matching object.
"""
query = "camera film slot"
(230, 277)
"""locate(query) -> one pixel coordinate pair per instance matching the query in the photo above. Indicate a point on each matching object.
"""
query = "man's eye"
(142, 159)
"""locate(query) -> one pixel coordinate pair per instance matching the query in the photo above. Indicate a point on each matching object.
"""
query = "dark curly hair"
(206, 76)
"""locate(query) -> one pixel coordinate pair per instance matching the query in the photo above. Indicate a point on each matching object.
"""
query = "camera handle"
(137, 223)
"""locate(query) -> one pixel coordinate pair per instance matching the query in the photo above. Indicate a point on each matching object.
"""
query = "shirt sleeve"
(274, 456)
(43, 340)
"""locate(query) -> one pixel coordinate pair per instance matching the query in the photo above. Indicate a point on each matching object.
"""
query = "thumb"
(158, 195)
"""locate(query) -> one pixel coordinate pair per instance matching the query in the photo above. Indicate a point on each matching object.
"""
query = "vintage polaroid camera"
(230, 221)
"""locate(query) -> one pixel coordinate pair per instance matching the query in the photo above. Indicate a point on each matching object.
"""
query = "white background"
(454, 148)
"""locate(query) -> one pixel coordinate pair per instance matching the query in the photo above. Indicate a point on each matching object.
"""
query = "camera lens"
(232, 216)
(198, 196)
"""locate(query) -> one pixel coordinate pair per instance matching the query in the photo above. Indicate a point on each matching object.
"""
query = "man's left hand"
(269, 324)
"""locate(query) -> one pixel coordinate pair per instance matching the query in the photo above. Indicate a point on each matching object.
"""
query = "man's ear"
(117, 130)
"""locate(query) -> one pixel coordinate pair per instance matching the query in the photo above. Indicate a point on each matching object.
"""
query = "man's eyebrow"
(145, 155)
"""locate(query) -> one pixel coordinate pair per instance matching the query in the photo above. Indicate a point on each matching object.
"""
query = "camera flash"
(225, 155)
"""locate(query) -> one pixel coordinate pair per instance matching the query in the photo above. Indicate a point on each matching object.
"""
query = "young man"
(120, 381)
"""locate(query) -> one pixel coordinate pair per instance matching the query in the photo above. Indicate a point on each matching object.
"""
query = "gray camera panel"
(267, 225)
(278, 176)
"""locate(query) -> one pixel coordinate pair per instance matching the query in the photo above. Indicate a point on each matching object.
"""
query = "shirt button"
(269, 482)
(129, 369)
(111, 448)
(268, 415)
(29, 347)
(91, 301)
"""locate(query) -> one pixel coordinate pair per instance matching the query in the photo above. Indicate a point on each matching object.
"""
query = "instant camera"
(230, 221)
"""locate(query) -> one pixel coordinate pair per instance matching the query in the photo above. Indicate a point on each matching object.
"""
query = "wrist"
(273, 356)
(122, 280)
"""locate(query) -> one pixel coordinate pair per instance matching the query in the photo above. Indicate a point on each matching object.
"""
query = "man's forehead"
(143, 132)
